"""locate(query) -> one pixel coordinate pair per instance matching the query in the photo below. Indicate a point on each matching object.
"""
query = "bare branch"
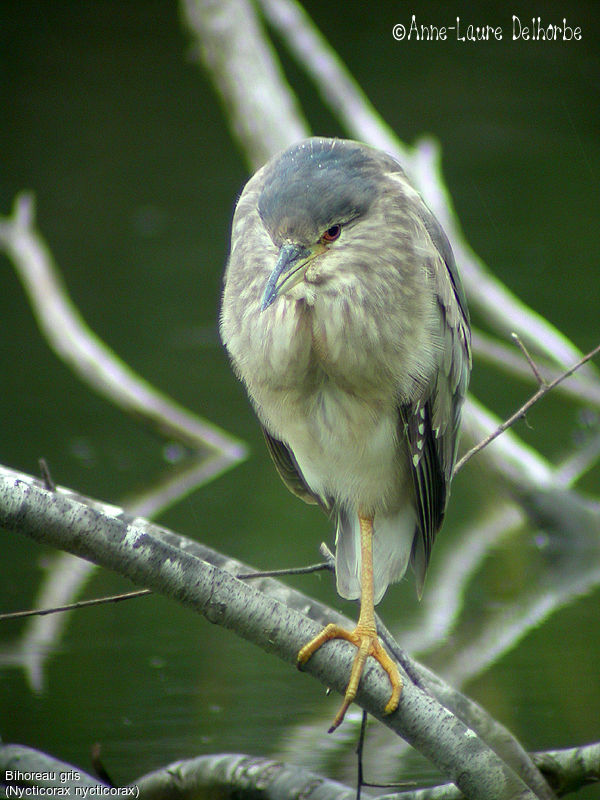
(139, 551)
(244, 775)
(96, 601)
(260, 106)
(235, 775)
(541, 380)
(337, 87)
(571, 769)
(504, 358)
(52, 772)
(566, 771)
(86, 354)
(496, 735)
(541, 392)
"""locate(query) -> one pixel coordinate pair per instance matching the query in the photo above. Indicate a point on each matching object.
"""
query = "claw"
(368, 644)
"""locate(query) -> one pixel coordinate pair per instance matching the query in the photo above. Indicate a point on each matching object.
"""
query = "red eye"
(331, 234)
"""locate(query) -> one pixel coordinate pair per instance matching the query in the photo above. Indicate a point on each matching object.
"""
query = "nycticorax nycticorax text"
(344, 316)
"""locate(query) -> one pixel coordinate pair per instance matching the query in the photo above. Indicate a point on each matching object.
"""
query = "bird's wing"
(288, 470)
(431, 423)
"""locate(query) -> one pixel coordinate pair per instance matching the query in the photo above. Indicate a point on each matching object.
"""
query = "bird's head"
(313, 194)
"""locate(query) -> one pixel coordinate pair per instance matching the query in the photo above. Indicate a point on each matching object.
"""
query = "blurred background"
(108, 118)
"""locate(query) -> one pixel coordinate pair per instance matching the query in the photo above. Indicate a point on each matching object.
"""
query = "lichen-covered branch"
(235, 775)
(232, 775)
(571, 769)
(134, 549)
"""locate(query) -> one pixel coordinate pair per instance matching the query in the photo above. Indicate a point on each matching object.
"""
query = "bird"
(344, 316)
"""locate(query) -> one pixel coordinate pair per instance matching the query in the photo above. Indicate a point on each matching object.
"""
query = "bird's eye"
(331, 234)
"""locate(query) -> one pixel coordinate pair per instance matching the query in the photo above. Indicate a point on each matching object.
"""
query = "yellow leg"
(364, 636)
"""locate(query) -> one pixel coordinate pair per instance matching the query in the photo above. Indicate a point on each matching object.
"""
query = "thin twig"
(46, 475)
(276, 573)
(543, 390)
(97, 601)
(359, 754)
(116, 598)
(99, 768)
(502, 357)
(540, 379)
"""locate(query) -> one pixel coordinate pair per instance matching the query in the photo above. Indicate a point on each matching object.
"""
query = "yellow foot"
(368, 644)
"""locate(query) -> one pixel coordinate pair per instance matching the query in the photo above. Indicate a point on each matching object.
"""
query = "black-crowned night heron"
(344, 316)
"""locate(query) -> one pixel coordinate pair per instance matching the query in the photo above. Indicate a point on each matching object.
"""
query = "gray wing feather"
(289, 471)
(431, 424)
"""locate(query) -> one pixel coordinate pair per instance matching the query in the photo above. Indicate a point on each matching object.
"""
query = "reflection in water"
(65, 577)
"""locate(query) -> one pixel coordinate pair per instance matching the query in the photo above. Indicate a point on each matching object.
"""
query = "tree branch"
(503, 357)
(571, 769)
(497, 736)
(241, 63)
(543, 390)
(236, 775)
(140, 551)
(86, 354)
(96, 601)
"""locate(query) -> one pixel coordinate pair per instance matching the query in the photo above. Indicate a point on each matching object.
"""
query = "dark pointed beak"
(289, 270)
